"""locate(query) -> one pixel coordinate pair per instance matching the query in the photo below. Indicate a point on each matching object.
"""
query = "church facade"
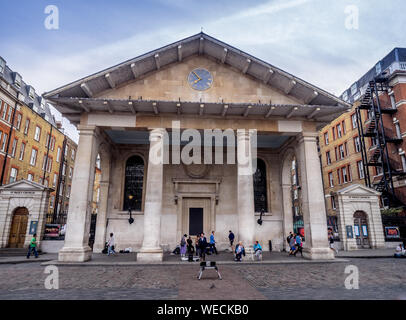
(196, 136)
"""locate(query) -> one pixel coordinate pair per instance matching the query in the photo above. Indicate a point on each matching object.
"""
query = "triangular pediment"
(357, 189)
(159, 76)
(172, 83)
(24, 185)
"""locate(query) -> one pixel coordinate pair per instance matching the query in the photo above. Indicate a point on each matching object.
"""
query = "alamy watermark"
(352, 19)
(51, 21)
(352, 280)
(52, 281)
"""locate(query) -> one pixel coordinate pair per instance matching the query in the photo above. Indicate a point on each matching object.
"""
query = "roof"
(358, 189)
(394, 61)
(35, 102)
(24, 185)
(203, 44)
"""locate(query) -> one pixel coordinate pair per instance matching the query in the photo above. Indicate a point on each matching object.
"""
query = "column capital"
(307, 136)
(245, 133)
(156, 133)
(86, 129)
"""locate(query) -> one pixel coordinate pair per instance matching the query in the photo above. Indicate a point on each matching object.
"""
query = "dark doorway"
(195, 221)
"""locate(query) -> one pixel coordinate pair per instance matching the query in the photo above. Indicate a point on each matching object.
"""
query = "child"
(33, 246)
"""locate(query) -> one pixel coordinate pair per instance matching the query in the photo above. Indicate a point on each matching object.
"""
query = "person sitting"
(258, 250)
(400, 252)
(239, 251)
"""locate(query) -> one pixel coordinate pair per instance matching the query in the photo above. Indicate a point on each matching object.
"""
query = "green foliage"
(391, 211)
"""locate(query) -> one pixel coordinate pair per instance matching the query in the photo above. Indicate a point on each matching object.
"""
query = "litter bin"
(270, 245)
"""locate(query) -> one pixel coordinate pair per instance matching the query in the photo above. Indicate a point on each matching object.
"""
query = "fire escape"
(377, 155)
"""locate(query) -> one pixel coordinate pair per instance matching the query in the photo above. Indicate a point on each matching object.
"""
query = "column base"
(67, 254)
(150, 255)
(318, 253)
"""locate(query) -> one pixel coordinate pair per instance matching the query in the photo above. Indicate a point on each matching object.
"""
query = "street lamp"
(259, 221)
(130, 220)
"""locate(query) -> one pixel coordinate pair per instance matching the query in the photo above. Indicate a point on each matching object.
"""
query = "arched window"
(260, 187)
(296, 199)
(134, 178)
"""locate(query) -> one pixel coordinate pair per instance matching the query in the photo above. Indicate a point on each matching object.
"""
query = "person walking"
(183, 246)
(110, 245)
(231, 239)
(257, 250)
(239, 251)
(33, 246)
(292, 243)
(299, 245)
(331, 241)
(202, 246)
(197, 244)
(288, 238)
(213, 248)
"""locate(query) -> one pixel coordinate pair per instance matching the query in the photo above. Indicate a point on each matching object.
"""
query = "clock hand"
(196, 75)
(197, 80)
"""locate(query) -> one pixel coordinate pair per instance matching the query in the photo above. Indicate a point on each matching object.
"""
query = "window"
(334, 132)
(333, 203)
(58, 155)
(4, 111)
(398, 133)
(260, 187)
(70, 172)
(14, 148)
(345, 148)
(339, 132)
(339, 176)
(47, 141)
(66, 151)
(357, 144)
(133, 186)
(73, 154)
(27, 126)
(68, 191)
(328, 158)
(33, 159)
(326, 138)
(53, 143)
(378, 170)
(344, 128)
(46, 183)
(30, 177)
(354, 89)
(403, 158)
(10, 111)
(2, 65)
(44, 163)
(55, 180)
(341, 151)
(360, 166)
(13, 175)
(17, 80)
(349, 173)
(22, 151)
(335, 151)
(344, 173)
(373, 141)
(3, 145)
(51, 202)
(63, 169)
(19, 119)
(37, 135)
(331, 179)
(354, 121)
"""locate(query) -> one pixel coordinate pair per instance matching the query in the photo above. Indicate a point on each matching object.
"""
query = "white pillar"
(313, 204)
(151, 250)
(100, 236)
(76, 247)
(287, 212)
(245, 188)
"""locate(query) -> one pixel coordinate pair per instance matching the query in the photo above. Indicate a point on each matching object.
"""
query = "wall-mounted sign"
(356, 230)
(350, 234)
(33, 227)
(365, 230)
(52, 231)
(392, 232)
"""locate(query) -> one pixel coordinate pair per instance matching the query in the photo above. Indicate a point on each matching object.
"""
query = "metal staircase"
(377, 155)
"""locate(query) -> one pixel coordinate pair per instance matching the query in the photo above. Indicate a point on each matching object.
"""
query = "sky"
(329, 43)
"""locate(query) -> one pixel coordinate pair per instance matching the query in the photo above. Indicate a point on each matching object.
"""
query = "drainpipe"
(58, 187)
(46, 159)
(8, 144)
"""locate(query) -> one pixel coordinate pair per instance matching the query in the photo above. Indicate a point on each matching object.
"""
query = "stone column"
(76, 247)
(245, 188)
(100, 236)
(151, 250)
(313, 204)
(287, 212)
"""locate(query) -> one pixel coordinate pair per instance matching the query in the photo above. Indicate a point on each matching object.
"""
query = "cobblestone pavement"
(379, 279)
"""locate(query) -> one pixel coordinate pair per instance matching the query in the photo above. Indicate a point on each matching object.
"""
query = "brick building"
(32, 141)
(366, 145)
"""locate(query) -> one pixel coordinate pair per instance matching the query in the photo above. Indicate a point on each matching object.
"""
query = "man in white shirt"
(110, 245)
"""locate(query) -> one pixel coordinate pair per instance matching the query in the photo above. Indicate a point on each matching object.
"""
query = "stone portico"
(136, 116)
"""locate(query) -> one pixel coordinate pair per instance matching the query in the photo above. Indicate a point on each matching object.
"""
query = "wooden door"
(361, 230)
(18, 228)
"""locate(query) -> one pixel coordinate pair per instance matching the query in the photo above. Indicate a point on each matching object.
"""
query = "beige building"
(142, 117)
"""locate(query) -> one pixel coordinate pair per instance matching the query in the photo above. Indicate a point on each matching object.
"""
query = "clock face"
(200, 79)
